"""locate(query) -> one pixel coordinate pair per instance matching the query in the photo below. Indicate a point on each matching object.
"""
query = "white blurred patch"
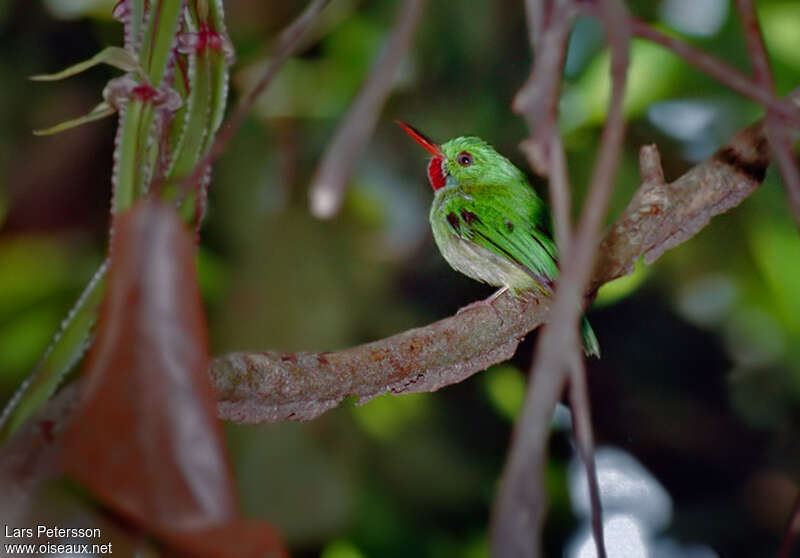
(709, 300)
(562, 418)
(695, 123)
(405, 207)
(684, 119)
(325, 201)
(625, 487)
(754, 338)
(624, 538)
(700, 18)
(635, 508)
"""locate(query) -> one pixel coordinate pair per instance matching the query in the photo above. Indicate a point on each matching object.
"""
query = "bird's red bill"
(420, 138)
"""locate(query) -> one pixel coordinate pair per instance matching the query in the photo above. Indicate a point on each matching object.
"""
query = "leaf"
(100, 111)
(127, 167)
(113, 56)
(64, 352)
(194, 128)
(159, 458)
(159, 38)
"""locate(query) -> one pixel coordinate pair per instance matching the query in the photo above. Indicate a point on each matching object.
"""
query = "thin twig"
(778, 135)
(290, 39)
(548, 29)
(584, 440)
(535, 16)
(537, 100)
(792, 528)
(519, 510)
(560, 192)
(717, 69)
(330, 179)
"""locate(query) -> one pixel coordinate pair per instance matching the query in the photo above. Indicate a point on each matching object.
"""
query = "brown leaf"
(145, 439)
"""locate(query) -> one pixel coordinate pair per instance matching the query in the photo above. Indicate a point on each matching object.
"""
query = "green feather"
(490, 224)
(500, 219)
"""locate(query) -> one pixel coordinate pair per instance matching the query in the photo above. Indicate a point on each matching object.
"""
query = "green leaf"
(780, 23)
(653, 74)
(34, 268)
(113, 56)
(147, 147)
(341, 549)
(216, 11)
(219, 94)
(505, 389)
(386, 416)
(100, 111)
(776, 253)
(622, 287)
(195, 124)
(202, 9)
(67, 347)
(136, 23)
(160, 37)
(127, 168)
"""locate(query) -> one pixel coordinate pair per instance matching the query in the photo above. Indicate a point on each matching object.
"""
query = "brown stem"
(537, 100)
(329, 181)
(777, 132)
(560, 192)
(535, 16)
(582, 427)
(717, 69)
(520, 506)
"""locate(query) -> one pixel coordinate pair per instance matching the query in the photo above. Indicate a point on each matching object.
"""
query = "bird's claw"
(488, 302)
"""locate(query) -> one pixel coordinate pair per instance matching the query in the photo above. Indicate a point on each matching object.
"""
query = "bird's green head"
(464, 160)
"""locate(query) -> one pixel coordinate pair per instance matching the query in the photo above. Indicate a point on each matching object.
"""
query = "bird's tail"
(590, 345)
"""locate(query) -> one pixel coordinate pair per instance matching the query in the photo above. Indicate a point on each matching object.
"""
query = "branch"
(584, 440)
(537, 101)
(662, 215)
(520, 505)
(560, 192)
(329, 181)
(776, 131)
(717, 69)
(271, 387)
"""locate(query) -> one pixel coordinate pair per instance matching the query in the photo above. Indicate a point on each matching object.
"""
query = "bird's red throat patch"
(435, 174)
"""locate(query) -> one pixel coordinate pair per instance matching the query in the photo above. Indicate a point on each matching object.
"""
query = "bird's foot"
(488, 302)
(496, 294)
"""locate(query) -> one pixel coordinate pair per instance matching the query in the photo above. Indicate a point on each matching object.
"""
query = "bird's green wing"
(510, 221)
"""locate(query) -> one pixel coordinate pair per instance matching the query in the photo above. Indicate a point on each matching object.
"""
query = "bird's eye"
(464, 159)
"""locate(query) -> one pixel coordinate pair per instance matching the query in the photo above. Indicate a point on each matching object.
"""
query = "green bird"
(488, 221)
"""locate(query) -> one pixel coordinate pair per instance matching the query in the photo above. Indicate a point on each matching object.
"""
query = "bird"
(489, 223)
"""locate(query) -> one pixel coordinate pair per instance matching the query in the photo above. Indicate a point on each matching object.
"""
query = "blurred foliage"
(700, 376)
(505, 389)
